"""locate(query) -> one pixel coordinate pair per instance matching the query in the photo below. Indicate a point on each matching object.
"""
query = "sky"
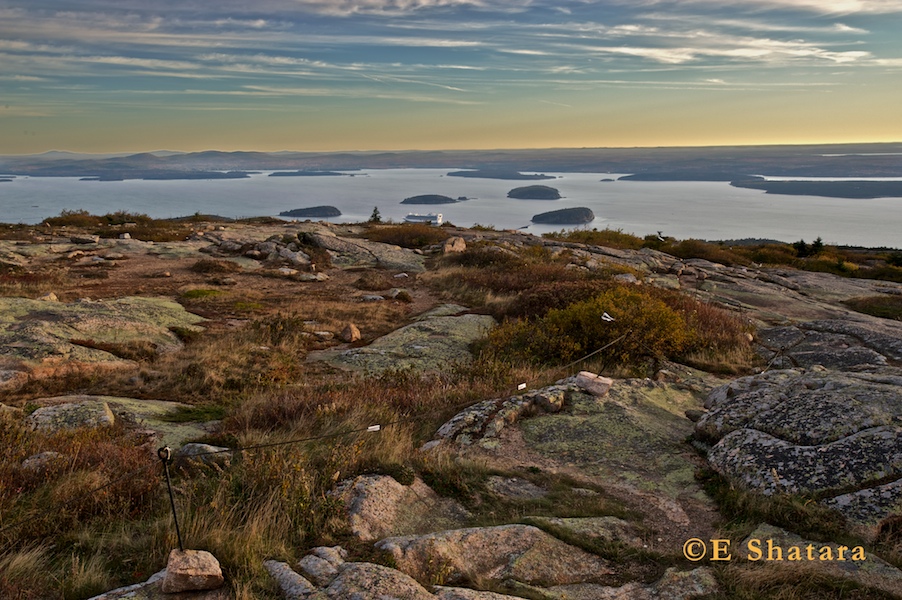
(341, 75)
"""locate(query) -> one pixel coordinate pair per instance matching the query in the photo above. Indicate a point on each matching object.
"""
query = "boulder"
(348, 252)
(43, 461)
(366, 581)
(607, 529)
(203, 454)
(453, 245)
(515, 488)
(71, 416)
(520, 552)
(593, 384)
(350, 333)
(318, 570)
(191, 570)
(379, 506)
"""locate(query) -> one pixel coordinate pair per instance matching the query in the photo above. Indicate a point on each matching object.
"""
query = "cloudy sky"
(130, 75)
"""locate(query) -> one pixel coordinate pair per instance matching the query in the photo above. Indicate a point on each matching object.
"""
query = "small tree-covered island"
(535, 192)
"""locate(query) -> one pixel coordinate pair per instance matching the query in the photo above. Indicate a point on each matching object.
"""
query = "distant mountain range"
(721, 163)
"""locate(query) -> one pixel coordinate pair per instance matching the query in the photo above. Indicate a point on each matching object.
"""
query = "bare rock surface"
(520, 552)
(835, 434)
(378, 506)
(608, 529)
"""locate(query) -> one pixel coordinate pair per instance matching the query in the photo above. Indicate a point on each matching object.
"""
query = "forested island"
(308, 174)
(862, 190)
(500, 174)
(534, 192)
(312, 212)
(432, 199)
(565, 216)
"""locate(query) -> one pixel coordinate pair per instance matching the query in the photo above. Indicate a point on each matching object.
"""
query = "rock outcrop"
(38, 337)
(833, 434)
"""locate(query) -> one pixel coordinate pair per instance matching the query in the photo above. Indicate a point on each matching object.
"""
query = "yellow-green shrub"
(650, 327)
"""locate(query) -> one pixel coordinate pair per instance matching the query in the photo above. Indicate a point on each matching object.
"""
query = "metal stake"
(165, 455)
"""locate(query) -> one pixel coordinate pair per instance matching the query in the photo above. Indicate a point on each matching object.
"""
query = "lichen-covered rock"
(429, 345)
(71, 415)
(514, 487)
(834, 434)
(203, 454)
(452, 593)
(43, 461)
(379, 506)
(519, 552)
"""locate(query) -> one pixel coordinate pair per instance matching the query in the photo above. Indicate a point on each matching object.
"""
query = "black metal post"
(165, 455)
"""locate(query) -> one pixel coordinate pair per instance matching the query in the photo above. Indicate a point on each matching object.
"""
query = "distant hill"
(307, 174)
(534, 192)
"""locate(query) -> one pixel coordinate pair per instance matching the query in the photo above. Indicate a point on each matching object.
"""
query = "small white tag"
(374, 428)
(606, 317)
(522, 386)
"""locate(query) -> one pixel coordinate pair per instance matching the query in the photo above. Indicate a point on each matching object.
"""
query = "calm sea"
(702, 210)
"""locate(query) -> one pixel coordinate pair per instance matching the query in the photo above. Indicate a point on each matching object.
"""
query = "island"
(432, 199)
(5, 180)
(565, 216)
(859, 190)
(313, 212)
(307, 174)
(499, 174)
(534, 192)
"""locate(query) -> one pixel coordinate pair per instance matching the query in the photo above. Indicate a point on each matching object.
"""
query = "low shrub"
(212, 265)
(407, 235)
(647, 326)
(885, 306)
(609, 238)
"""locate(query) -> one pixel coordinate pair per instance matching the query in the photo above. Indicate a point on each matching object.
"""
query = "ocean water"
(701, 210)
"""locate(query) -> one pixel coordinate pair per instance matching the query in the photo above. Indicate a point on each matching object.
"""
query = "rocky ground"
(823, 420)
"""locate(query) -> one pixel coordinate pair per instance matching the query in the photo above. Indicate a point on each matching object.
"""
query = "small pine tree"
(801, 248)
(817, 246)
(375, 217)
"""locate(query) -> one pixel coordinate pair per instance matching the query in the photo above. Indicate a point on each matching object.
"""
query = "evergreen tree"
(375, 217)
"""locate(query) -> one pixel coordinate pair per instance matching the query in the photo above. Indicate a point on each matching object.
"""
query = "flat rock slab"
(834, 434)
(634, 435)
(607, 529)
(430, 345)
(520, 552)
(37, 336)
(833, 343)
(71, 415)
(366, 581)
